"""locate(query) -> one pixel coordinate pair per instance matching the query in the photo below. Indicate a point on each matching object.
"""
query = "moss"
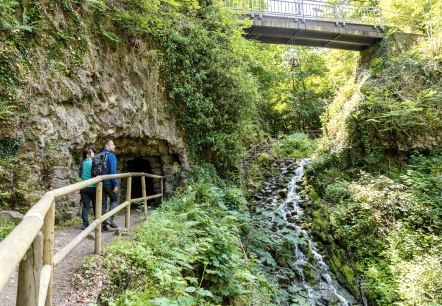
(335, 263)
(314, 197)
(348, 273)
(319, 225)
(265, 158)
(309, 277)
(5, 228)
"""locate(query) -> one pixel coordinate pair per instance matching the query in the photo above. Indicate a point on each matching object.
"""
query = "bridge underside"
(313, 33)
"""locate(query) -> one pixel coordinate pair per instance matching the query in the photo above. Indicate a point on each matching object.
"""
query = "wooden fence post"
(29, 274)
(128, 196)
(143, 192)
(48, 247)
(162, 190)
(98, 209)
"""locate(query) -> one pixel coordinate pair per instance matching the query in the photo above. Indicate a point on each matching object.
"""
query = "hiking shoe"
(112, 224)
(104, 227)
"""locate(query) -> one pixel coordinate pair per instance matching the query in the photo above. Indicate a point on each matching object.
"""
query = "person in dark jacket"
(87, 194)
(110, 187)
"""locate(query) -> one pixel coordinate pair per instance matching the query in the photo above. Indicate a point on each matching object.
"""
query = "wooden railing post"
(29, 274)
(98, 209)
(48, 247)
(128, 194)
(32, 287)
(162, 190)
(143, 192)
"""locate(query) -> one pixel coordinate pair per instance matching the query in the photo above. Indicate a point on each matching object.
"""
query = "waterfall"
(320, 288)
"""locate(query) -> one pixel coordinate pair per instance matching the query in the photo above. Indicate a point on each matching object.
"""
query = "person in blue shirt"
(87, 194)
(110, 187)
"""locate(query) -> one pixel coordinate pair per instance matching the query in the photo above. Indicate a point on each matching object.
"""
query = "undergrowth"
(5, 228)
(384, 226)
(188, 252)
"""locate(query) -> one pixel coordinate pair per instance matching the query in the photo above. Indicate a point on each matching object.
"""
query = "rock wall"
(117, 94)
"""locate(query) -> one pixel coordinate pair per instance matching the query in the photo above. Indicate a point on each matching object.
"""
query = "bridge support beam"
(314, 33)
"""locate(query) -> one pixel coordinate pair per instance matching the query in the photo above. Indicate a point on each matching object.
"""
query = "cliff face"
(114, 93)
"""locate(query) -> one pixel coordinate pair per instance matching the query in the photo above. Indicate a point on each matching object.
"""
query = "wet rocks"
(302, 275)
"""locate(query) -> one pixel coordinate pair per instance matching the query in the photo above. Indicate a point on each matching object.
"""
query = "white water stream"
(325, 290)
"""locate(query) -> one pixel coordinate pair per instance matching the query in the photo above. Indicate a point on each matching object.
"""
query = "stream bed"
(303, 276)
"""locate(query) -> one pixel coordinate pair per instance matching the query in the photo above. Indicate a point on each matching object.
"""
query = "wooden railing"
(33, 251)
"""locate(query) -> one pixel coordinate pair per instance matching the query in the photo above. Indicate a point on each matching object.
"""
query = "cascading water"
(311, 282)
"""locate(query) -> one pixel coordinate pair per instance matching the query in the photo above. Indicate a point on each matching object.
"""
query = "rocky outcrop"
(10, 215)
(114, 94)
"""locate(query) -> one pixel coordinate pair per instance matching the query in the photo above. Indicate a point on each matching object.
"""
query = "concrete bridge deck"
(311, 23)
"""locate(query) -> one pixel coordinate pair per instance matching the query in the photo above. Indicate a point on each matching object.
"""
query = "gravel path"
(65, 270)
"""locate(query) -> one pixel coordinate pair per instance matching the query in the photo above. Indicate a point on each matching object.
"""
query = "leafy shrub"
(337, 191)
(296, 145)
(384, 112)
(188, 253)
(5, 228)
(387, 226)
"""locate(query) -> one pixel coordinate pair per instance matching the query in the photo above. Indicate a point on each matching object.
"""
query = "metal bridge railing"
(310, 10)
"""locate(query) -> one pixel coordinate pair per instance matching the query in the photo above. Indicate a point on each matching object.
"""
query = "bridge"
(312, 23)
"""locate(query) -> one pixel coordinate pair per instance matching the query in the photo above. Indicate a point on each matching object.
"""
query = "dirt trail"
(65, 270)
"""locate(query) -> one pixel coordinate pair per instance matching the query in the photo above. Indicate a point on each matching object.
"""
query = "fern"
(189, 250)
(110, 35)
(6, 109)
(9, 21)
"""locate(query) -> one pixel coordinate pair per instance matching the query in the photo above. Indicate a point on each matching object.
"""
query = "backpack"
(99, 165)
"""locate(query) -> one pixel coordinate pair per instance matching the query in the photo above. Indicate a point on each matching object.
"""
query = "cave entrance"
(140, 165)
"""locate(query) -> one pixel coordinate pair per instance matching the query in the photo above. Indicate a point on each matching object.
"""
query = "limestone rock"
(112, 95)
(10, 215)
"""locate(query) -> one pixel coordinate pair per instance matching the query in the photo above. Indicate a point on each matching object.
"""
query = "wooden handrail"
(14, 247)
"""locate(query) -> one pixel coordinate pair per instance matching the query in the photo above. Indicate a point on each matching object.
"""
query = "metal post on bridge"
(252, 9)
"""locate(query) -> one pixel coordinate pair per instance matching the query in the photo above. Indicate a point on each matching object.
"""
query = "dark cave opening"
(140, 165)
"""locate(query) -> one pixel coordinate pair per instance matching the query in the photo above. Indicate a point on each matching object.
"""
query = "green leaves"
(186, 253)
(389, 226)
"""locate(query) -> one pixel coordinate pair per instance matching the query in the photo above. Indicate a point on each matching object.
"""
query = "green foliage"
(296, 145)
(8, 19)
(5, 228)
(421, 16)
(209, 82)
(186, 253)
(9, 147)
(9, 80)
(387, 226)
(205, 173)
(75, 221)
(388, 112)
(295, 95)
